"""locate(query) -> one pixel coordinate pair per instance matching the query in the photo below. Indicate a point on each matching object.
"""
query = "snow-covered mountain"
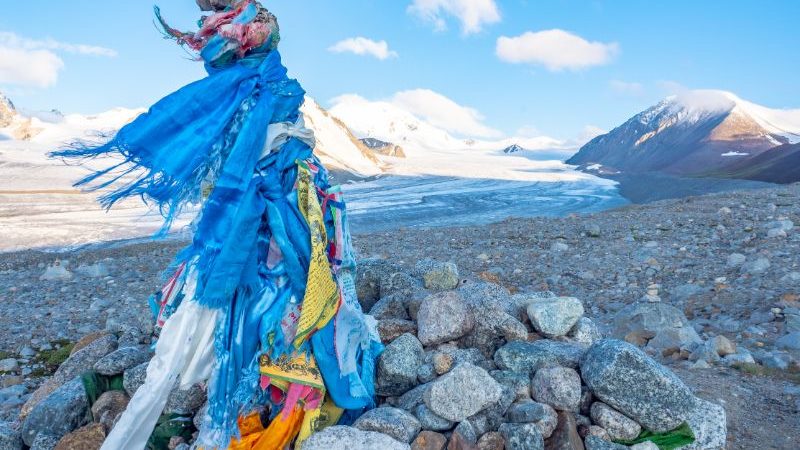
(389, 123)
(696, 133)
(336, 146)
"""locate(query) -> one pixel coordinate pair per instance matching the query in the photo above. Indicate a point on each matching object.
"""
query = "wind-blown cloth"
(261, 306)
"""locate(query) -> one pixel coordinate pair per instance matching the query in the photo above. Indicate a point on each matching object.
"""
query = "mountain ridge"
(702, 133)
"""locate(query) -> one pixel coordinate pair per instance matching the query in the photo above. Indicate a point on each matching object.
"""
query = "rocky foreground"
(496, 335)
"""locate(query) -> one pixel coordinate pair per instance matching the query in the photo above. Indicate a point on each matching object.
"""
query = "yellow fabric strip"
(321, 299)
(298, 368)
(327, 415)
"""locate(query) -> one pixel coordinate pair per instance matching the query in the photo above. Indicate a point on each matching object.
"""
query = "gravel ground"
(608, 260)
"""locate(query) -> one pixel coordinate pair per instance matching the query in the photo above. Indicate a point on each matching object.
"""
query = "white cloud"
(13, 40)
(37, 68)
(35, 63)
(555, 49)
(444, 113)
(625, 87)
(363, 46)
(473, 14)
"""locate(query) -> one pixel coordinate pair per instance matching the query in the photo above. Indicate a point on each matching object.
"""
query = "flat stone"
(412, 398)
(429, 440)
(559, 387)
(618, 426)
(121, 360)
(565, 436)
(462, 392)
(521, 436)
(90, 437)
(369, 274)
(631, 382)
(553, 317)
(397, 366)
(443, 317)
(397, 423)
(349, 438)
(528, 357)
(57, 415)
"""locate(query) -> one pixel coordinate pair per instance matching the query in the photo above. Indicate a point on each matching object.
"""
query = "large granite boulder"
(394, 422)
(443, 317)
(63, 411)
(349, 438)
(463, 392)
(634, 384)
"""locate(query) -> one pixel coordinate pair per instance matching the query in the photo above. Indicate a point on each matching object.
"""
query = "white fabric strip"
(279, 133)
(184, 351)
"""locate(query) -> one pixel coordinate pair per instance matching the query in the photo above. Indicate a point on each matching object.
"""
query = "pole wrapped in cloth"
(268, 279)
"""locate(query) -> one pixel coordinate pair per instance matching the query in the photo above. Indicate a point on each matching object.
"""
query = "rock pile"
(467, 365)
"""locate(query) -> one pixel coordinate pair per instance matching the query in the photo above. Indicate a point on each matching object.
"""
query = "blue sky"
(609, 60)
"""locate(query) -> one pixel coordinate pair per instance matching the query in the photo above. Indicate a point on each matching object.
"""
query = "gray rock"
(185, 401)
(400, 284)
(394, 422)
(437, 276)
(443, 317)
(349, 438)
(666, 326)
(585, 332)
(736, 260)
(390, 307)
(559, 387)
(397, 366)
(426, 373)
(521, 436)
(10, 437)
(412, 398)
(9, 365)
(596, 443)
(619, 426)
(543, 416)
(790, 341)
(554, 317)
(431, 421)
(756, 266)
(634, 384)
(519, 383)
(708, 423)
(723, 346)
(462, 392)
(45, 441)
(134, 378)
(369, 274)
(646, 445)
(527, 357)
(121, 360)
(58, 414)
(792, 322)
